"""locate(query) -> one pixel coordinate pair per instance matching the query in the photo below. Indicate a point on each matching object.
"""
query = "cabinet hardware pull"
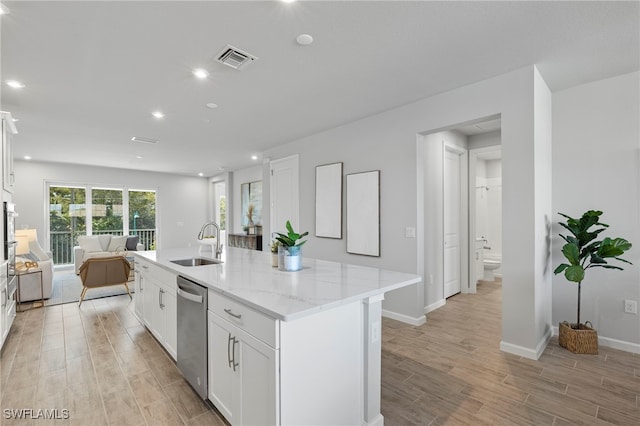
(235, 364)
(230, 312)
(229, 351)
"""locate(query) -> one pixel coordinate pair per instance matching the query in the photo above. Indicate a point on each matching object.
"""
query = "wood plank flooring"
(106, 369)
(451, 371)
(99, 363)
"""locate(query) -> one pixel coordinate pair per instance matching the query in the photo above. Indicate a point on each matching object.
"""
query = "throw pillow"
(117, 243)
(89, 243)
(132, 243)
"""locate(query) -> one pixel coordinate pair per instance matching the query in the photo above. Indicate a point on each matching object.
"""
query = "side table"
(23, 273)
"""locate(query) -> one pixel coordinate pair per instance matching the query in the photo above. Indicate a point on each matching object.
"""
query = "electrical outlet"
(375, 331)
(631, 306)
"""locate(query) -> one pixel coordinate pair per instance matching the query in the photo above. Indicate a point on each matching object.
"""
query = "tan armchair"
(104, 271)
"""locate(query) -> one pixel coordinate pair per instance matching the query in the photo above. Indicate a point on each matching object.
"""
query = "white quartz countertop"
(248, 277)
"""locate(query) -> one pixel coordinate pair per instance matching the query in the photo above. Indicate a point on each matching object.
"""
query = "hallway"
(451, 371)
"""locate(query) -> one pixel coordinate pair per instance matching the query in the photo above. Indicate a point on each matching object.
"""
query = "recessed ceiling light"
(27, 157)
(254, 157)
(157, 114)
(200, 174)
(139, 157)
(288, 1)
(15, 84)
(201, 73)
(304, 39)
(212, 105)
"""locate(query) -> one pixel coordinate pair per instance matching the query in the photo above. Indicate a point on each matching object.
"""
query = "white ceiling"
(94, 71)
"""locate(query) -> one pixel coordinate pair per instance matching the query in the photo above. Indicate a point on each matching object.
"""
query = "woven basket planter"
(580, 340)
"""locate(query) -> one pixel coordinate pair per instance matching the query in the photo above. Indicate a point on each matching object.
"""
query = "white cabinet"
(8, 129)
(138, 294)
(157, 303)
(7, 304)
(243, 370)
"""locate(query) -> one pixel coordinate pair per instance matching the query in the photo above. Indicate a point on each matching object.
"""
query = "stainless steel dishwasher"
(192, 334)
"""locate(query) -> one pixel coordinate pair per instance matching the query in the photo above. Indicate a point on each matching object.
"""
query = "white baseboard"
(613, 343)
(527, 352)
(377, 421)
(432, 307)
(404, 318)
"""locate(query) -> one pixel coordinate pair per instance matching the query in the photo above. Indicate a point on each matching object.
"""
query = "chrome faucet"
(218, 245)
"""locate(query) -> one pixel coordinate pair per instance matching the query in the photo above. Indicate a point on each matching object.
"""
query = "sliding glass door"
(142, 217)
(67, 220)
(92, 210)
(106, 211)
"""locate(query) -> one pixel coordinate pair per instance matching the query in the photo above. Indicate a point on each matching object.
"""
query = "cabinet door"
(138, 297)
(170, 318)
(8, 177)
(259, 381)
(153, 310)
(148, 300)
(222, 382)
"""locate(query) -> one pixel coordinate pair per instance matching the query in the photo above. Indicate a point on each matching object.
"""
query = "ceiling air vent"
(235, 58)
(144, 140)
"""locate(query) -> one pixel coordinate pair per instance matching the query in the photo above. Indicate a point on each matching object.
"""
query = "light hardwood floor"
(103, 366)
(99, 363)
(450, 371)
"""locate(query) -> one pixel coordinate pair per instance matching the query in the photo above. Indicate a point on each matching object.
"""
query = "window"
(69, 216)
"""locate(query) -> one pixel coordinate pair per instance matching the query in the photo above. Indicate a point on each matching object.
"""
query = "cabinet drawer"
(248, 319)
(156, 273)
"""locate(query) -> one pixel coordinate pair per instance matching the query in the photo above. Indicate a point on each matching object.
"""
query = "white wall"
(181, 202)
(596, 165)
(388, 142)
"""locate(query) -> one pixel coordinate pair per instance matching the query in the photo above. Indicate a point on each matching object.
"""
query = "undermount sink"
(196, 261)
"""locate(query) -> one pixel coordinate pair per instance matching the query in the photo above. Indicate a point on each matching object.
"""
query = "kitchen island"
(308, 342)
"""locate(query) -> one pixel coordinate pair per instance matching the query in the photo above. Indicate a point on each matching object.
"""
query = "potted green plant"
(274, 252)
(289, 253)
(584, 252)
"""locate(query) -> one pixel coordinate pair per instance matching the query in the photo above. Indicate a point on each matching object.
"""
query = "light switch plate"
(410, 232)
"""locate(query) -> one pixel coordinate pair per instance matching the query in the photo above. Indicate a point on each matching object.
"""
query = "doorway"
(284, 194)
(447, 207)
(453, 218)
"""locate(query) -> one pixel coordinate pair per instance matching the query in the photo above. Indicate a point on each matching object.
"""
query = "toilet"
(491, 263)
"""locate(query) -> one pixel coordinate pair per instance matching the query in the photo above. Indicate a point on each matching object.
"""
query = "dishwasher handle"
(190, 296)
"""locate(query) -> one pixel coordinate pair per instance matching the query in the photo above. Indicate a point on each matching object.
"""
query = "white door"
(284, 193)
(451, 223)
(170, 312)
(259, 382)
(222, 381)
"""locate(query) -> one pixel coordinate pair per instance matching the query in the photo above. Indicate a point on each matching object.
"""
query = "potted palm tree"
(289, 253)
(584, 252)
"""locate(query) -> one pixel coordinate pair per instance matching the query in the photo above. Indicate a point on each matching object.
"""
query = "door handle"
(229, 351)
(233, 350)
(160, 299)
(190, 296)
(230, 312)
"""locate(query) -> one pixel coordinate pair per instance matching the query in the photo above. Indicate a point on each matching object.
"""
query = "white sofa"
(102, 245)
(30, 283)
